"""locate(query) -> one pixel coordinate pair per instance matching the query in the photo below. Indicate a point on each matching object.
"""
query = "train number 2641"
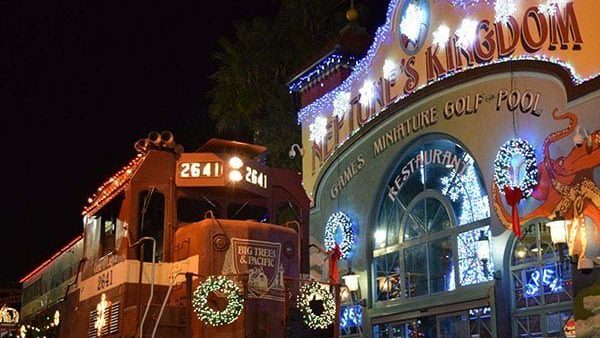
(105, 280)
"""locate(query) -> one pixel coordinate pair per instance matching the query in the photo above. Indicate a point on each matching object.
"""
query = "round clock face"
(413, 23)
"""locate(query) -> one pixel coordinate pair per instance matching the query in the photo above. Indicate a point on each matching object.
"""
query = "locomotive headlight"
(235, 176)
(235, 163)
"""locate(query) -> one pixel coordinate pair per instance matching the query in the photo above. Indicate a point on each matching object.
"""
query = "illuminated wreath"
(339, 220)
(502, 165)
(235, 302)
(309, 292)
(509, 183)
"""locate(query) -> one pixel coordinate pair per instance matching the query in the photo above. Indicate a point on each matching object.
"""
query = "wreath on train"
(339, 221)
(222, 285)
(516, 183)
(308, 293)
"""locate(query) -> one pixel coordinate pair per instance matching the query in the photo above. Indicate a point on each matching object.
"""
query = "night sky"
(80, 82)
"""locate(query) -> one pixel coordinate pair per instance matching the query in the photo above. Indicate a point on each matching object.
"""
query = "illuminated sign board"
(423, 42)
(549, 279)
(256, 177)
(350, 316)
(200, 169)
(212, 170)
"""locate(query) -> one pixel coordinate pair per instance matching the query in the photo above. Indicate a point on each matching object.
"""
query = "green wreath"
(312, 320)
(235, 302)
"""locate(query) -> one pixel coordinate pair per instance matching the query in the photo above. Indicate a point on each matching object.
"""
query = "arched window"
(434, 209)
(541, 284)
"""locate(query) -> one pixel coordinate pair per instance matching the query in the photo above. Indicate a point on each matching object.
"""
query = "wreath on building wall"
(339, 221)
(310, 292)
(224, 285)
(508, 178)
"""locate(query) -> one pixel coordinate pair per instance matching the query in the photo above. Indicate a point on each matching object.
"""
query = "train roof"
(113, 185)
(50, 260)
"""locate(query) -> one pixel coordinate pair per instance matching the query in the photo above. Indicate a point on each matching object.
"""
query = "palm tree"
(250, 97)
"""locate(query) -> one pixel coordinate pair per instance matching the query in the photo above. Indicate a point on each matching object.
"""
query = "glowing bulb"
(56, 320)
(466, 33)
(504, 9)
(318, 129)
(235, 176)
(236, 162)
(411, 22)
(389, 70)
(441, 35)
(367, 93)
(341, 104)
(380, 237)
(550, 7)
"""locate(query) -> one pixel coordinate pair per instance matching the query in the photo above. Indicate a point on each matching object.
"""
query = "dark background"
(80, 82)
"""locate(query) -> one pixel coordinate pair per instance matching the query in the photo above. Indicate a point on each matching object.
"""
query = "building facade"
(417, 145)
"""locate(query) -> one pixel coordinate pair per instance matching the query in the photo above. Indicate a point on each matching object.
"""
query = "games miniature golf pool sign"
(515, 175)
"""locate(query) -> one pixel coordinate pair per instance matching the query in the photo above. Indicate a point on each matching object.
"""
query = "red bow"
(334, 256)
(513, 196)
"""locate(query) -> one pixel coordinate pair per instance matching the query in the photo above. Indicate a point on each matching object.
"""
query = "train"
(162, 234)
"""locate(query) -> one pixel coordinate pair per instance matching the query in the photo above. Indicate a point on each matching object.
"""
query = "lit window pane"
(388, 276)
(471, 268)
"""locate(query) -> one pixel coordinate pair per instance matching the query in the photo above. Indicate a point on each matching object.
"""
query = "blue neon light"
(350, 316)
(549, 279)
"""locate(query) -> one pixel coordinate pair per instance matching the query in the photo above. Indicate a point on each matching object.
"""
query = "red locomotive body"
(159, 228)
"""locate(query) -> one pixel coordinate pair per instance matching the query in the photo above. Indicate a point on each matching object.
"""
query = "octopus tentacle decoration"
(566, 185)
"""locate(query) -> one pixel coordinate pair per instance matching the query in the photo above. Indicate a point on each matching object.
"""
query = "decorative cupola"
(333, 65)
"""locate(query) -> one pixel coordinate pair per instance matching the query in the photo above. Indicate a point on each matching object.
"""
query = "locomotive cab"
(170, 219)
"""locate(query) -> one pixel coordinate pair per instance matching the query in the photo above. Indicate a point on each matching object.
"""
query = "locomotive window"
(247, 211)
(32, 291)
(151, 217)
(107, 235)
(107, 218)
(193, 210)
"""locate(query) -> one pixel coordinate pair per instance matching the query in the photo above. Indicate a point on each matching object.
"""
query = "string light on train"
(101, 308)
(56, 319)
(113, 184)
(224, 285)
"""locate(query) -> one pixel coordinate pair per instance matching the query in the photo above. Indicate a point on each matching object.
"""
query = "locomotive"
(162, 226)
